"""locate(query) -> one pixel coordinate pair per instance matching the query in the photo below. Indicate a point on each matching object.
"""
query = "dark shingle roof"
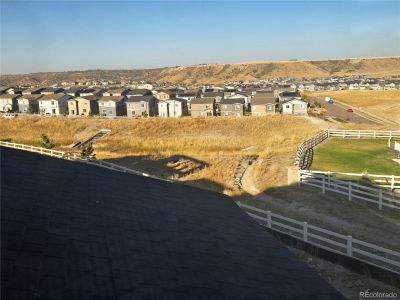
(205, 100)
(75, 231)
(233, 101)
(140, 98)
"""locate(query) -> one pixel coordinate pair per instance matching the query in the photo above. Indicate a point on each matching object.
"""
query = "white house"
(294, 107)
(172, 108)
(54, 104)
(9, 102)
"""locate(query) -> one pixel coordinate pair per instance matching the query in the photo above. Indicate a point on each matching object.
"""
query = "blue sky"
(41, 36)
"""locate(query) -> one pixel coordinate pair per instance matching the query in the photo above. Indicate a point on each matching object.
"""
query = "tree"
(45, 142)
(30, 110)
(87, 151)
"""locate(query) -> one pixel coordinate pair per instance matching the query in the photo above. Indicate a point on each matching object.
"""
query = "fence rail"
(332, 241)
(385, 181)
(375, 134)
(304, 153)
(353, 190)
(75, 157)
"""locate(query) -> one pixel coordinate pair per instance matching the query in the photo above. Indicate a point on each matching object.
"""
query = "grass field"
(204, 151)
(382, 103)
(355, 156)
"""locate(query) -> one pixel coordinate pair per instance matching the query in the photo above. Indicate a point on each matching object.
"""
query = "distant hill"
(218, 73)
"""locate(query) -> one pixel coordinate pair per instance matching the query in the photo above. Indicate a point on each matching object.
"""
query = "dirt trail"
(328, 211)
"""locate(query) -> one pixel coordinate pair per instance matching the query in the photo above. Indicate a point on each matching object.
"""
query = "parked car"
(349, 110)
(330, 101)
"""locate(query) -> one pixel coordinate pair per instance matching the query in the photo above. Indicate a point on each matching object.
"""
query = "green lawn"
(355, 156)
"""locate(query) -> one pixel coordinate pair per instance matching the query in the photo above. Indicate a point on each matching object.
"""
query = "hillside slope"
(218, 73)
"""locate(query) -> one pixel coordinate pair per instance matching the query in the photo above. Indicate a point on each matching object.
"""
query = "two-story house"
(232, 107)
(203, 107)
(112, 106)
(29, 103)
(264, 103)
(141, 106)
(54, 104)
(172, 108)
(9, 102)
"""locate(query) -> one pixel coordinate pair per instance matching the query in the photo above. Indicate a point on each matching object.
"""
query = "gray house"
(141, 106)
(29, 103)
(112, 106)
(232, 107)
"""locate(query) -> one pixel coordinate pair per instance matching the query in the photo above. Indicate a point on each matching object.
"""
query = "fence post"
(329, 179)
(392, 182)
(359, 134)
(323, 184)
(349, 246)
(380, 199)
(305, 231)
(374, 134)
(269, 224)
(350, 190)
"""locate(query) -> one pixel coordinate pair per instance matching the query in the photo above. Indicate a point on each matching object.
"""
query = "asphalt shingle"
(73, 231)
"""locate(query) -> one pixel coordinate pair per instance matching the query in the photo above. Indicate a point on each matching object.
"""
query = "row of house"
(143, 102)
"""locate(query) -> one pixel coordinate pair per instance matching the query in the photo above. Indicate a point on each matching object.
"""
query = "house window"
(287, 106)
(269, 107)
(133, 112)
(52, 102)
(84, 110)
(142, 104)
(53, 111)
(104, 111)
(110, 112)
(224, 106)
(237, 106)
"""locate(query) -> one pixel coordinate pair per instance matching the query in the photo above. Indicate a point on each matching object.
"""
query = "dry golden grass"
(218, 142)
(382, 103)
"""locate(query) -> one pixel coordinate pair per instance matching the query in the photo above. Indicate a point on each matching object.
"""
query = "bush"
(87, 151)
(45, 142)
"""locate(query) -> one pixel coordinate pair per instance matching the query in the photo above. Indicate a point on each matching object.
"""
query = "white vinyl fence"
(371, 134)
(343, 244)
(353, 190)
(75, 157)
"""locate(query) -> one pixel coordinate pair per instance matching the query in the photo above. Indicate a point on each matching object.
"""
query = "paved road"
(337, 111)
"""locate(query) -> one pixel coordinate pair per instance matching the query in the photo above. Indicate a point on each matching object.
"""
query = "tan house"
(203, 107)
(162, 96)
(232, 107)
(88, 105)
(263, 104)
(73, 107)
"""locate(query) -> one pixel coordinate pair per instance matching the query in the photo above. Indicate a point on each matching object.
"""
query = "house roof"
(213, 94)
(293, 99)
(31, 97)
(90, 98)
(141, 92)
(205, 100)
(289, 94)
(51, 90)
(9, 96)
(112, 235)
(111, 98)
(116, 91)
(140, 98)
(233, 101)
(34, 90)
(52, 97)
(263, 100)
